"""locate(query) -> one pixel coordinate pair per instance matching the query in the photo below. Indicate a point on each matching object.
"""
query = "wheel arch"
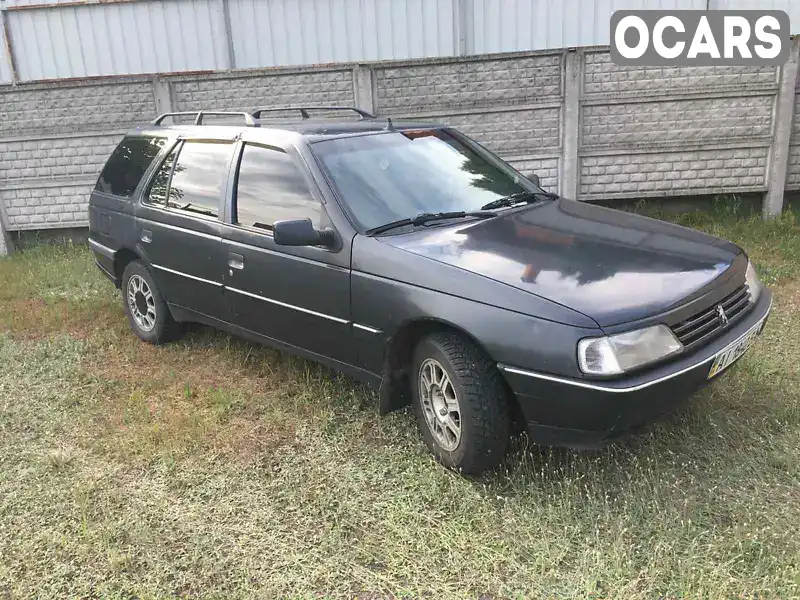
(124, 257)
(395, 389)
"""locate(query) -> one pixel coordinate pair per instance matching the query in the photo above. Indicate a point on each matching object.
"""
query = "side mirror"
(534, 178)
(300, 232)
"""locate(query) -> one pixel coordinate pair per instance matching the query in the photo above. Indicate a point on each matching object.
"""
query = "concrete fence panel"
(54, 140)
(512, 104)
(590, 129)
(793, 171)
(647, 132)
(249, 90)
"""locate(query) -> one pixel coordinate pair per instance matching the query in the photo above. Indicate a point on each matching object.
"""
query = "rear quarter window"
(127, 165)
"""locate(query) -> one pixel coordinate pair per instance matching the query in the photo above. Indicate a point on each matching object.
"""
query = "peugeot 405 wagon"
(412, 258)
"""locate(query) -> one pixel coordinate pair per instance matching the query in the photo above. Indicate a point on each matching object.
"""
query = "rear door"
(179, 226)
(297, 295)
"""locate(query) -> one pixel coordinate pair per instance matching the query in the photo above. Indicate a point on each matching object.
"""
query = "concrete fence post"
(364, 88)
(568, 184)
(781, 134)
(162, 96)
(5, 241)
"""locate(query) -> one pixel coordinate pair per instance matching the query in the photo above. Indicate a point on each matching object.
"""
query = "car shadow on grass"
(732, 428)
(739, 419)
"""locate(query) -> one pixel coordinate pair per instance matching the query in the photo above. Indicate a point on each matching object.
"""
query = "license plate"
(734, 351)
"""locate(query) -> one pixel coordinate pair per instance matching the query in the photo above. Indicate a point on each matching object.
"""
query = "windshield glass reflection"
(387, 177)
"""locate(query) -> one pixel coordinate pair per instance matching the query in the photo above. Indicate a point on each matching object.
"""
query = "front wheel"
(460, 402)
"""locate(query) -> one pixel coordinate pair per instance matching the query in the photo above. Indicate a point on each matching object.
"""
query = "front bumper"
(588, 413)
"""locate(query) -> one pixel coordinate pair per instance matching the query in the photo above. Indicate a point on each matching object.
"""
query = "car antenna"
(389, 124)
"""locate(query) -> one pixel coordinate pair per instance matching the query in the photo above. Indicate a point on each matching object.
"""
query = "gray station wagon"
(410, 257)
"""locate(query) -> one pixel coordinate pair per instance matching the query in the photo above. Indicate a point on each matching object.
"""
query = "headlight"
(615, 354)
(753, 284)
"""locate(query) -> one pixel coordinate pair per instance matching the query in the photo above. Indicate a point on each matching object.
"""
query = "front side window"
(127, 164)
(391, 176)
(269, 188)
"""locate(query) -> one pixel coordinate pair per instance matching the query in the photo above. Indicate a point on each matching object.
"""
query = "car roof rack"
(199, 114)
(304, 110)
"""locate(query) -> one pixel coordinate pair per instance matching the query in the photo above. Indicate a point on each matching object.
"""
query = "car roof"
(310, 129)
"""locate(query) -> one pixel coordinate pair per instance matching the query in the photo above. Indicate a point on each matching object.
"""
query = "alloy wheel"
(141, 303)
(440, 404)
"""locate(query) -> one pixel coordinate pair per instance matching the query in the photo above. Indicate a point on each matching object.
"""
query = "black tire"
(482, 398)
(164, 328)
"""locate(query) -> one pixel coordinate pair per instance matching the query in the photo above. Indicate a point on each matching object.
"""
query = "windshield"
(387, 177)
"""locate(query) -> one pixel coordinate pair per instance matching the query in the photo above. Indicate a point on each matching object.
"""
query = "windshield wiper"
(518, 197)
(423, 218)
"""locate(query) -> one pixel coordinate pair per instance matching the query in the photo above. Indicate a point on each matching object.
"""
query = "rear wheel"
(460, 402)
(146, 310)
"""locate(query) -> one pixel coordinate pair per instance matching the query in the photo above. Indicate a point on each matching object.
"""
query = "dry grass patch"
(37, 318)
(207, 393)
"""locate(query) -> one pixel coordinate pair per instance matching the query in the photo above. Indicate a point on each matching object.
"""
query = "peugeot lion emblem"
(722, 316)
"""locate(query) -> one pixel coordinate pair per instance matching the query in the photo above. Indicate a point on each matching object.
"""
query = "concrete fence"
(590, 129)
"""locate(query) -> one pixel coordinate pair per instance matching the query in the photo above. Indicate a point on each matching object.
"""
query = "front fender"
(382, 307)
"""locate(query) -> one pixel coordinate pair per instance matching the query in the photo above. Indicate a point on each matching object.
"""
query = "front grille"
(706, 324)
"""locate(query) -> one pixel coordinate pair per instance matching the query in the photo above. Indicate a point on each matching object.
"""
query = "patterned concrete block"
(796, 121)
(63, 206)
(793, 170)
(673, 173)
(510, 132)
(436, 85)
(545, 168)
(698, 120)
(59, 109)
(55, 157)
(306, 88)
(602, 76)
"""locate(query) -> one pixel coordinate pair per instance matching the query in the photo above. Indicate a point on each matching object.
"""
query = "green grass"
(214, 468)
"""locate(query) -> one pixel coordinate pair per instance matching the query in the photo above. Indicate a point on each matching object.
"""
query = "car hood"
(610, 265)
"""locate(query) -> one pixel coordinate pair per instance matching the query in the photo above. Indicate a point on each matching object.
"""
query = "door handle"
(146, 236)
(235, 261)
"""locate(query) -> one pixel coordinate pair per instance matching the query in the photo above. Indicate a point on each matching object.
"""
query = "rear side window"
(198, 172)
(160, 183)
(127, 164)
(270, 188)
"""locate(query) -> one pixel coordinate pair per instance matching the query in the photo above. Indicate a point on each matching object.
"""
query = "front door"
(297, 296)
(179, 229)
